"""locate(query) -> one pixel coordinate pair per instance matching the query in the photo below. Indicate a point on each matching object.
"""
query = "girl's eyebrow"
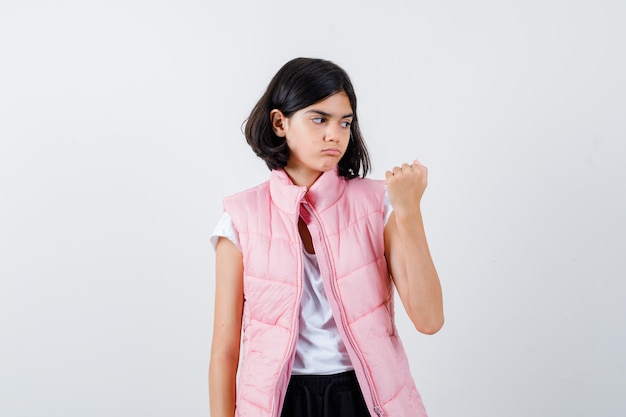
(323, 113)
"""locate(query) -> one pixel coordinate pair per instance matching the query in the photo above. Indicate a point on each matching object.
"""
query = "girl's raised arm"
(226, 329)
(406, 249)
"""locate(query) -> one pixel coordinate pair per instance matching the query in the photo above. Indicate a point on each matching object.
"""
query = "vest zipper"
(342, 319)
(294, 336)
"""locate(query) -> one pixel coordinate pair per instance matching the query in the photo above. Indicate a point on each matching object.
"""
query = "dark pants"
(324, 396)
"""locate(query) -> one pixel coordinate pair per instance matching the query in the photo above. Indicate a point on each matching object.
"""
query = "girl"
(305, 264)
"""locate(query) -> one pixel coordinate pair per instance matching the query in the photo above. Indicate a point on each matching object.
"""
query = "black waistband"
(318, 384)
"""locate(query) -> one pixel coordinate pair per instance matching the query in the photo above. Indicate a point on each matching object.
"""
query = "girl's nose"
(333, 133)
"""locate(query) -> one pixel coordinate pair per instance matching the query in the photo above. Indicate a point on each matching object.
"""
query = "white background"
(120, 132)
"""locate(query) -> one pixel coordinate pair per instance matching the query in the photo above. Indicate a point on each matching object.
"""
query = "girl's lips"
(334, 152)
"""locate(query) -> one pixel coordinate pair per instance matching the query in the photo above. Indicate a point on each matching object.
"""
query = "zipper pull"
(379, 411)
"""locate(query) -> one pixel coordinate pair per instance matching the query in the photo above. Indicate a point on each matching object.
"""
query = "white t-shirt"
(319, 349)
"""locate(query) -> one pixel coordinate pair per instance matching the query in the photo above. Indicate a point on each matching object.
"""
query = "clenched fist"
(405, 186)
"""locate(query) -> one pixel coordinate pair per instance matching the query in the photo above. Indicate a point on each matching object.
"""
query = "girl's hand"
(405, 187)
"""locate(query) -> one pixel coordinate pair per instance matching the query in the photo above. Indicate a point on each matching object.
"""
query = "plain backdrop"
(120, 132)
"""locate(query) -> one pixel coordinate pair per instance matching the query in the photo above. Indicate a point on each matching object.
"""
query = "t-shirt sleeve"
(388, 208)
(225, 228)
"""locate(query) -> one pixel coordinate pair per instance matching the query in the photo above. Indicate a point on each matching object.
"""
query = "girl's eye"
(318, 120)
(346, 124)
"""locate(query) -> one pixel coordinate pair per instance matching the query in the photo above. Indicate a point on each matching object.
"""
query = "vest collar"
(324, 192)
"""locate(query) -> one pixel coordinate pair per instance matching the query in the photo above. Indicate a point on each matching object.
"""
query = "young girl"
(306, 262)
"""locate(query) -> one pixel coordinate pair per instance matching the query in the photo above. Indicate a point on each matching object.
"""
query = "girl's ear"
(278, 123)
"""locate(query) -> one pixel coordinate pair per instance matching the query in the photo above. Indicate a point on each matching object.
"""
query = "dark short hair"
(300, 83)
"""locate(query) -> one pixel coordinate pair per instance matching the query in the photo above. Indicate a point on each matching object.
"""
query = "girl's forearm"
(222, 385)
(423, 289)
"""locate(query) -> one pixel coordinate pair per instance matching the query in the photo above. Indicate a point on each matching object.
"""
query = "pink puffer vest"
(345, 219)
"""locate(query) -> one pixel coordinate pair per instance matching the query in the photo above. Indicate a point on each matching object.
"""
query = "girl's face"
(317, 137)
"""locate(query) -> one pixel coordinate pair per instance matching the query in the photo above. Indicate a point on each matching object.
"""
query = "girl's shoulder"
(367, 193)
